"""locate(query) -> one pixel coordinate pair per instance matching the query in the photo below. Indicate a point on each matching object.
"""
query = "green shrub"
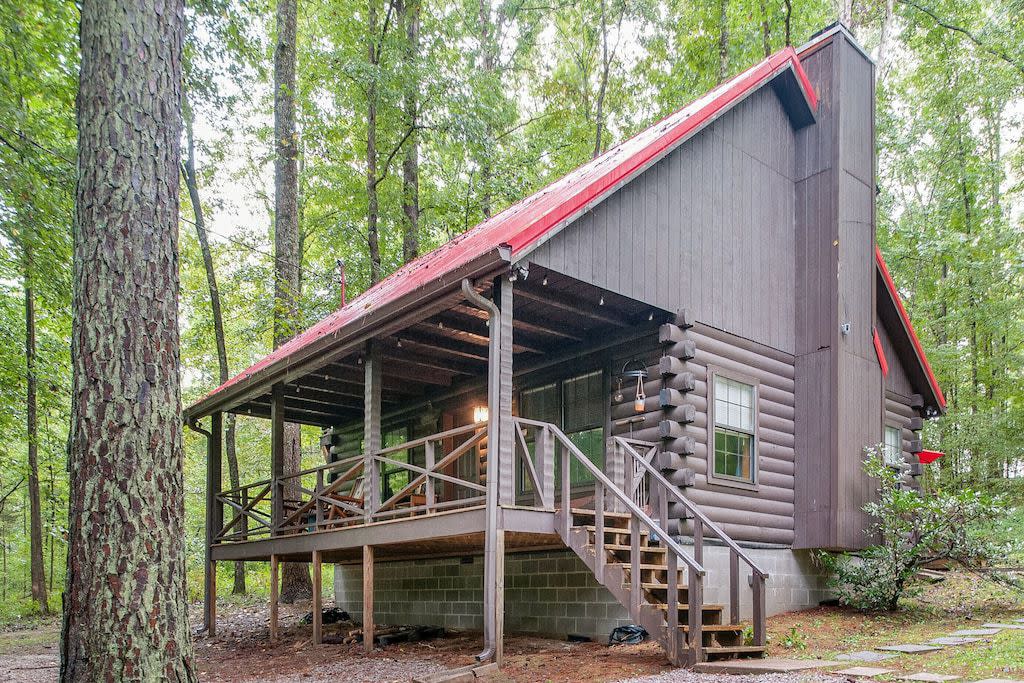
(913, 529)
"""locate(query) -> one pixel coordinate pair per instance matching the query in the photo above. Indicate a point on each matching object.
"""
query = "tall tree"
(188, 169)
(38, 573)
(125, 608)
(295, 581)
(409, 14)
(373, 50)
(723, 40)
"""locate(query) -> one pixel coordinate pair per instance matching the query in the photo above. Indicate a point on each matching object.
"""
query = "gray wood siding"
(710, 228)
(897, 381)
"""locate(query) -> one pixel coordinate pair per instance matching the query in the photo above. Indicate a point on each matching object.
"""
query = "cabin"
(640, 395)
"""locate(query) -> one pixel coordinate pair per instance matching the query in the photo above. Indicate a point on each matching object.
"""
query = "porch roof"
(509, 236)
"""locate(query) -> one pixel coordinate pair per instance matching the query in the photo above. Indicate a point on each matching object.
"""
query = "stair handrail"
(609, 485)
(736, 553)
(716, 530)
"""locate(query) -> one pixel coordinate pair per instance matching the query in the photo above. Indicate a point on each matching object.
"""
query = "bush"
(914, 529)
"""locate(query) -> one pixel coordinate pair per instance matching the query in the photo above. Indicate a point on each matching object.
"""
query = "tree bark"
(723, 40)
(125, 606)
(192, 183)
(295, 581)
(410, 15)
(487, 61)
(766, 29)
(38, 572)
(372, 210)
(603, 86)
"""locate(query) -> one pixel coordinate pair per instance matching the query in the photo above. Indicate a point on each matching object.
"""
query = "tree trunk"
(488, 59)
(373, 59)
(723, 40)
(192, 183)
(125, 605)
(295, 581)
(603, 86)
(788, 21)
(38, 572)
(410, 10)
(766, 29)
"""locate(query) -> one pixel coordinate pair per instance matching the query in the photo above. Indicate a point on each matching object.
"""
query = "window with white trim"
(893, 450)
(735, 430)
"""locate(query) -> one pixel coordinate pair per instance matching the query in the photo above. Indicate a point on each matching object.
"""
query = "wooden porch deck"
(441, 534)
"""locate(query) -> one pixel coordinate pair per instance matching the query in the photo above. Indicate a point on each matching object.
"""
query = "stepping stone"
(1019, 621)
(1015, 627)
(975, 632)
(953, 640)
(865, 656)
(998, 680)
(910, 648)
(929, 678)
(863, 671)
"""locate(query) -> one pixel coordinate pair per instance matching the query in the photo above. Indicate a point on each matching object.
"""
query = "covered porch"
(445, 433)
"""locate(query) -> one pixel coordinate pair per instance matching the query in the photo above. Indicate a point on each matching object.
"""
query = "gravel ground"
(29, 668)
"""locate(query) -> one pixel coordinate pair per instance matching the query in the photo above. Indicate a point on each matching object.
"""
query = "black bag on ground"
(627, 635)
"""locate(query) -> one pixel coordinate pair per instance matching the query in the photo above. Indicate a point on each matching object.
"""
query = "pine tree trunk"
(603, 87)
(723, 40)
(766, 29)
(295, 582)
(125, 609)
(38, 572)
(372, 210)
(192, 183)
(487, 62)
(410, 10)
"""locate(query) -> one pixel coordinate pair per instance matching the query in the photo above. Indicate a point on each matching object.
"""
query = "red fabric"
(928, 457)
(523, 223)
(880, 352)
(891, 286)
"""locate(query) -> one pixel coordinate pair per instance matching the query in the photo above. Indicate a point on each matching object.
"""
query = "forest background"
(416, 119)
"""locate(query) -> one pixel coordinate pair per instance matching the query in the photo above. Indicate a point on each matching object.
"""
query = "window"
(893, 450)
(734, 407)
(577, 406)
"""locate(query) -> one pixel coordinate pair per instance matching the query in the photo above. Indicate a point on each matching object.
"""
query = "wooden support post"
(695, 595)
(211, 614)
(277, 456)
(318, 607)
(371, 428)
(275, 586)
(566, 489)
(734, 587)
(672, 598)
(319, 504)
(214, 517)
(368, 599)
(599, 554)
(545, 447)
(499, 597)
(634, 567)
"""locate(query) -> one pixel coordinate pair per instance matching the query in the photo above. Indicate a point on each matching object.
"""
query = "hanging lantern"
(617, 396)
(634, 368)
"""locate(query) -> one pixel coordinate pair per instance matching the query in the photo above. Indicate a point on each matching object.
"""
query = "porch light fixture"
(480, 414)
(630, 369)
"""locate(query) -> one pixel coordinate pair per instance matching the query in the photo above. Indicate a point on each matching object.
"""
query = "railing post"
(672, 599)
(428, 455)
(276, 457)
(695, 600)
(600, 558)
(634, 567)
(244, 497)
(615, 468)
(317, 502)
(698, 540)
(545, 447)
(758, 610)
(734, 587)
(566, 488)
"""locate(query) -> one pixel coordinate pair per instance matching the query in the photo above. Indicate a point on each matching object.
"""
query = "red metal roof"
(525, 222)
(918, 350)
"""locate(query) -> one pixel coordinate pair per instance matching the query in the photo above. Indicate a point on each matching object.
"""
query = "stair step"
(614, 530)
(654, 586)
(733, 650)
(613, 515)
(684, 607)
(718, 628)
(643, 548)
(643, 566)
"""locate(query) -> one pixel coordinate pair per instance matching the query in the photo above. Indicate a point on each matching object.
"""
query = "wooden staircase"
(628, 539)
(720, 639)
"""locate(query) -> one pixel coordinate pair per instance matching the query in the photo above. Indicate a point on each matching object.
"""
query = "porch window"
(577, 406)
(893, 450)
(734, 416)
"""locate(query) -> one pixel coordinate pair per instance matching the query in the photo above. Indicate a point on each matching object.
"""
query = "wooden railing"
(645, 475)
(337, 494)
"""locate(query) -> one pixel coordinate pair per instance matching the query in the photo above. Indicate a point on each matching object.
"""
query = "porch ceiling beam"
(313, 405)
(519, 323)
(454, 327)
(406, 360)
(433, 343)
(327, 382)
(395, 379)
(320, 397)
(552, 298)
(261, 409)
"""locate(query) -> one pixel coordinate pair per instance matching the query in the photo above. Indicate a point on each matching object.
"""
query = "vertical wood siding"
(709, 227)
